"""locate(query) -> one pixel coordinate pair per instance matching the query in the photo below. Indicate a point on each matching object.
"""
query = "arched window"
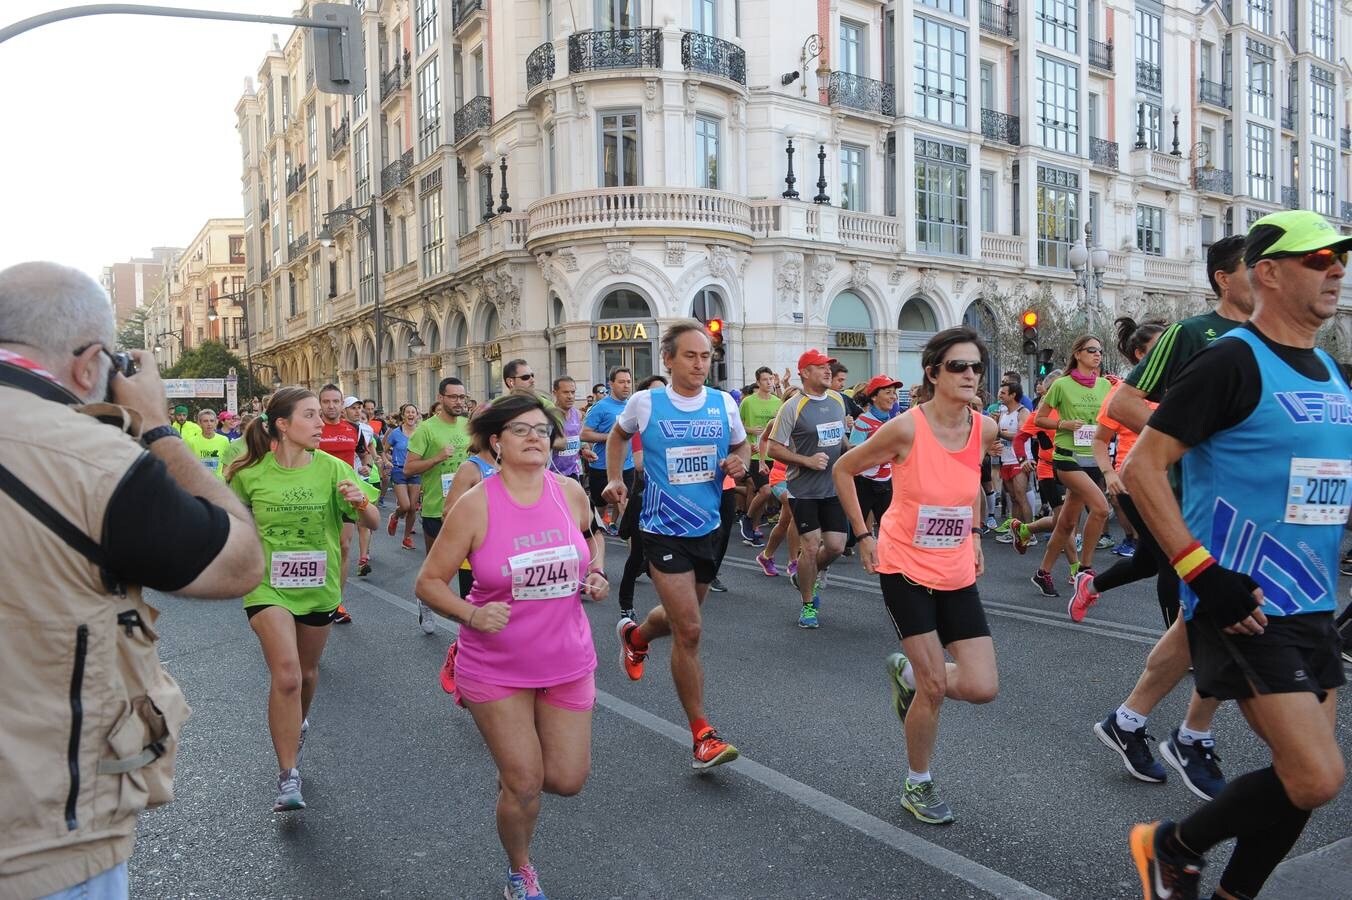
(490, 332)
(849, 312)
(431, 338)
(623, 303)
(556, 311)
(708, 304)
(459, 331)
(851, 336)
(918, 315)
(980, 319)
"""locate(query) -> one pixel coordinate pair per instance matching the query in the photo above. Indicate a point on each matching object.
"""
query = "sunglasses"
(530, 376)
(958, 366)
(1322, 260)
(1098, 350)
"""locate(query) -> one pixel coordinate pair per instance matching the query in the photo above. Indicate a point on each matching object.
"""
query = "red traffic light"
(715, 326)
(1029, 319)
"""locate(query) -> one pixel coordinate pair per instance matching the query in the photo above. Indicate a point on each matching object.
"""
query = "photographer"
(102, 499)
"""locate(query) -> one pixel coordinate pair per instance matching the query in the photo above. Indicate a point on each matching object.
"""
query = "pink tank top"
(533, 557)
(926, 534)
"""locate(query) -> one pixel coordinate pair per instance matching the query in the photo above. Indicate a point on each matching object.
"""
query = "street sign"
(194, 387)
(232, 392)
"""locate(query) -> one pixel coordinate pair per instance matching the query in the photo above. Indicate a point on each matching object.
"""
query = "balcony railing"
(1347, 138)
(1213, 93)
(474, 116)
(713, 56)
(1101, 55)
(297, 247)
(294, 179)
(998, 19)
(864, 94)
(999, 248)
(1214, 181)
(1347, 211)
(1288, 119)
(1290, 198)
(998, 126)
(338, 137)
(264, 210)
(1148, 76)
(1103, 153)
(631, 48)
(392, 81)
(540, 65)
(463, 9)
(640, 207)
(396, 173)
(264, 270)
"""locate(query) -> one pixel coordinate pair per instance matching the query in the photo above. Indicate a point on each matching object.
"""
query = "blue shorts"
(397, 476)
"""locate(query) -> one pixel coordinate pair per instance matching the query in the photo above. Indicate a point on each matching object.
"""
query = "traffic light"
(718, 372)
(339, 56)
(1029, 320)
(1044, 362)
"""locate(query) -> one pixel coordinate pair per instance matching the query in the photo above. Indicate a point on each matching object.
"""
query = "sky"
(120, 130)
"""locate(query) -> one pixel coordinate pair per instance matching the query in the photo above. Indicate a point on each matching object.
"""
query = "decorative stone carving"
(580, 100)
(859, 270)
(721, 263)
(651, 105)
(898, 272)
(509, 298)
(739, 112)
(820, 268)
(960, 282)
(691, 96)
(928, 282)
(788, 284)
(568, 259)
(1020, 291)
(617, 256)
(675, 253)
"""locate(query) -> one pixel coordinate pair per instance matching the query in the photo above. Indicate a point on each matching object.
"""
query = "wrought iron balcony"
(264, 270)
(540, 65)
(1101, 55)
(294, 179)
(297, 247)
(396, 173)
(1347, 211)
(631, 48)
(1213, 93)
(998, 126)
(864, 94)
(1103, 153)
(1288, 119)
(1290, 198)
(1148, 76)
(1347, 138)
(1213, 181)
(713, 56)
(338, 137)
(999, 19)
(463, 9)
(391, 81)
(475, 115)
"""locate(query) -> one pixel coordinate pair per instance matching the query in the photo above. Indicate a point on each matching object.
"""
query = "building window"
(311, 136)
(890, 175)
(1321, 102)
(1058, 215)
(424, 24)
(1260, 162)
(1321, 28)
(852, 48)
(1321, 179)
(853, 182)
(462, 198)
(433, 235)
(940, 72)
(1059, 105)
(361, 169)
(1260, 15)
(988, 201)
(486, 188)
(613, 14)
(1058, 23)
(1150, 229)
(940, 197)
(551, 162)
(359, 105)
(706, 153)
(1153, 127)
(705, 17)
(1260, 79)
(429, 108)
(1148, 75)
(366, 282)
(620, 161)
(987, 84)
(316, 222)
(952, 7)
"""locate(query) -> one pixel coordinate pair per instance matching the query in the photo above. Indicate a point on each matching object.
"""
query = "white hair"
(53, 309)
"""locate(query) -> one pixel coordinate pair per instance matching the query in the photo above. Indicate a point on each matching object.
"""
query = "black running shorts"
(1293, 654)
(596, 485)
(824, 514)
(674, 555)
(915, 609)
(313, 619)
(1051, 492)
(759, 473)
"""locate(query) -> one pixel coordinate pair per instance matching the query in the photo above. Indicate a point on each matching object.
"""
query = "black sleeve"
(1217, 389)
(158, 535)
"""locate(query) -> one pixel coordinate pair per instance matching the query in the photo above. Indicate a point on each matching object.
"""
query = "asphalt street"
(400, 787)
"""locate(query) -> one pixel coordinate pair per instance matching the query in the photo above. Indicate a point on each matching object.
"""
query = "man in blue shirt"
(596, 430)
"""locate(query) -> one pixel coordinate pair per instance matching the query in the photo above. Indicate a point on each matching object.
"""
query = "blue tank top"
(486, 470)
(1282, 521)
(681, 455)
(398, 443)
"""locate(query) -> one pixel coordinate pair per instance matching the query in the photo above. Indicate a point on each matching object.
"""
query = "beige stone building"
(206, 278)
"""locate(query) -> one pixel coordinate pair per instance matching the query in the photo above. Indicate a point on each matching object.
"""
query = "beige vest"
(89, 721)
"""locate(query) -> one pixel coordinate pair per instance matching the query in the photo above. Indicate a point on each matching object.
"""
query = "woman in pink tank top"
(525, 661)
(926, 554)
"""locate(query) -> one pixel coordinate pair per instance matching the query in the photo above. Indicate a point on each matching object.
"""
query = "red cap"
(878, 382)
(814, 357)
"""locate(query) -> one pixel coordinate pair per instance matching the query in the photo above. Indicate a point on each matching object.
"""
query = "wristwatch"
(161, 431)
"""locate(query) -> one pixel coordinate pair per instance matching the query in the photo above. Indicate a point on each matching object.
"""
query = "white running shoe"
(288, 791)
(426, 618)
(300, 745)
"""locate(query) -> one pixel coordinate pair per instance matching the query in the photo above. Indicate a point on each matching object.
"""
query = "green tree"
(209, 359)
(132, 334)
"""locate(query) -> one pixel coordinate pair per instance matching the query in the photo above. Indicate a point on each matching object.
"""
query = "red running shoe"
(408, 543)
(448, 669)
(711, 750)
(393, 524)
(340, 616)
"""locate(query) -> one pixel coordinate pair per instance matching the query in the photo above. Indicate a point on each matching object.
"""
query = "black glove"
(1224, 596)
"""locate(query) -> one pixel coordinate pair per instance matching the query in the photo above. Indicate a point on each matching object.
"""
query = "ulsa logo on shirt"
(679, 431)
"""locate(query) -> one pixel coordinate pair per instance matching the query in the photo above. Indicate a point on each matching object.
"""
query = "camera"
(124, 363)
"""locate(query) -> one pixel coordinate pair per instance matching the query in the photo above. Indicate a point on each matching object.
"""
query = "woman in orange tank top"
(926, 555)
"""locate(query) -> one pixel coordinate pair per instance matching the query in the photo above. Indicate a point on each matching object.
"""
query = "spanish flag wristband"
(1192, 561)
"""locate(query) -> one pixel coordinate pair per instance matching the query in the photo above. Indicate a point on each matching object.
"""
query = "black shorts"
(313, 619)
(1293, 654)
(823, 514)
(1069, 464)
(759, 473)
(431, 527)
(1051, 492)
(674, 555)
(874, 496)
(986, 474)
(464, 579)
(596, 483)
(916, 609)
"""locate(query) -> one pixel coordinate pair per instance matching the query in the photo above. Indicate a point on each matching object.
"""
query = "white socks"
(1187, 737)
(915, 777)
(1128, 720)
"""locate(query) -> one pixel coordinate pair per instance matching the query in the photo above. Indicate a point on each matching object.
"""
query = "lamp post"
(502, 163)
(1175, 110)
(1089, 261)
(240, 301)
(822, 196)
(1139, 99)
(159, 342)
(790, 192)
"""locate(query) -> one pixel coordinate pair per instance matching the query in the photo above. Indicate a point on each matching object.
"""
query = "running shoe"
(808, 617)
(1132, 747)
(612, 530)
(364, 566)
(392, 525)
(767, 565)
(1164, 875)
(1022, 539)
(1126, 549)
(1043, 582)
(817, 586)
(426, 619)
(1004, 537)
(991, 524)
(288, 792)
(523, 884)
(447, 676)
(901, 694)
(631, 659)
(748, 533)
(1345, 566)
(300, 744)
(1198, 763)
(1106, 542)
(1003, 527)
(1084, 597)
(408, 543)
(711, 750)
(793, 572)
(717, 586)
(1075, 569)
(1079, 542)
(922, 801)
(341, 616)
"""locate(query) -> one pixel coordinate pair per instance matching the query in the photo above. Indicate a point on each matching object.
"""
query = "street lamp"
(1139, 99)
(502, 160)
(1175, 110)
(1089, 262)
(159, 341)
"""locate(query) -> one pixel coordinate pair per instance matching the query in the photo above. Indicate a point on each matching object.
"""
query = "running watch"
(162, 431)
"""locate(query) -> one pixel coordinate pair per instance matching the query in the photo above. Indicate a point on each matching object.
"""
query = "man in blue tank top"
(1257, 554)
(692, 436)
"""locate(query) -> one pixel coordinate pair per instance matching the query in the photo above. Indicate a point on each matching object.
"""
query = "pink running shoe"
(767, 565)
(448, 668)
(1084, 597)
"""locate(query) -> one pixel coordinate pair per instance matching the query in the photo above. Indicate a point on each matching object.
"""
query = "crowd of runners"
(1223, 457)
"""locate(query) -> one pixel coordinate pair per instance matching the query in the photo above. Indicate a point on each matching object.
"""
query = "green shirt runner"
(210, 450)
(428, 440)
(758, 413)
(1072, 400)
(1179, 343)
(300, 515)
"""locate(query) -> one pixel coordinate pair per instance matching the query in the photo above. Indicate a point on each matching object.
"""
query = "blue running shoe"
(1125, 549)
(817, 586)
(808, 617)
(523, 884)
(1198, 764)
(1132, 747)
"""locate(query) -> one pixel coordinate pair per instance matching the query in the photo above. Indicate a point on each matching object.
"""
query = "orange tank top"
(926, 534)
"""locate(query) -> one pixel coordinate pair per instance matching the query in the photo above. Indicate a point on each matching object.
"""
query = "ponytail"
(260, 434)
(1132, 337)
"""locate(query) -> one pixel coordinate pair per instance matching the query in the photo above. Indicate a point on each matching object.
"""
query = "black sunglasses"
(958, 366)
